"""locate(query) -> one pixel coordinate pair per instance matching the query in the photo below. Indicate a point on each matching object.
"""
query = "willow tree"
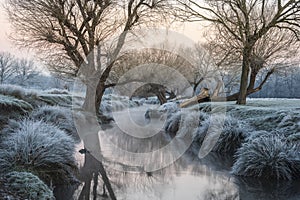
(71, 36)
(245, 22)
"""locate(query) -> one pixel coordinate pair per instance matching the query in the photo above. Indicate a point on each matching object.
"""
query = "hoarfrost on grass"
(267, 156)
(41, 148)
(27, 186)
(58, 116)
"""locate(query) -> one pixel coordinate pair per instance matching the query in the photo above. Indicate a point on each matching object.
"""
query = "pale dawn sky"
(193, 31)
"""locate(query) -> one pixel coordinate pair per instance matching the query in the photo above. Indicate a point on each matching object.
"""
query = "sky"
(4, 28)
(6, 44)
(193, 31)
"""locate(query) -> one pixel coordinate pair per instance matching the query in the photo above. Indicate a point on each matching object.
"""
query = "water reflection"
(188, 178)
(250, 188)
(185, 179)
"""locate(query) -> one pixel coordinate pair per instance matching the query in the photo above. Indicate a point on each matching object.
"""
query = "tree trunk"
(89, 102)
(244, 77)
(92, 104)
(249, 91)
(95, 186)
(252, 80)
(197, 83)
(99, 94)
(161, 97)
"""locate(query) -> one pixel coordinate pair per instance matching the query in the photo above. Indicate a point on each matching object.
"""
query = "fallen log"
(202, 97)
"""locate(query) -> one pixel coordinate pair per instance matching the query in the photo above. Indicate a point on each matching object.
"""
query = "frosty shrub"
(165, 110)
(118, 105)
(139, 102)
(268, 156)
(269, 115)
(153, 114)
(41, 148)
(58, 116)
(286, 121)
(27, 186)
(105, 107)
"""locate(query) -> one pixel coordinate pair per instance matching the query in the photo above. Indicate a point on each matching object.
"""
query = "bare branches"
(75, 27)
(7, 66)
(15, 70)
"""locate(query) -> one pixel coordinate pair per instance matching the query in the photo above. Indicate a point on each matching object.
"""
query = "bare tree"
(245, 22)
(7, 66)
(275, 50)
(72, 34)
(203, 69)
(194, 64)
(25, 71)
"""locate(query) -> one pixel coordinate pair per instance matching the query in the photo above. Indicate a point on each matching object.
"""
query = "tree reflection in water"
(187, 178)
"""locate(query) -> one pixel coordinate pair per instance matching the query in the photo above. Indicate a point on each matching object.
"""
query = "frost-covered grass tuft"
(284, 121)
(172, 124)
(58, 116)
(9, 103)
(294, 137)
(55, 99)
(17, 91)
(112, 103)
(169, 108)
(267, 156)
(183, 120)
(57, 91)
(151, 100)
(230, 134)
(27, 186)
(282, 115)
(108, 106)
(41, 148)
(37, 98)
(11, 108)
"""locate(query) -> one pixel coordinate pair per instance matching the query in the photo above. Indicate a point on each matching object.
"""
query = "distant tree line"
(24, 72)
(15, 70)
(284, 84)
